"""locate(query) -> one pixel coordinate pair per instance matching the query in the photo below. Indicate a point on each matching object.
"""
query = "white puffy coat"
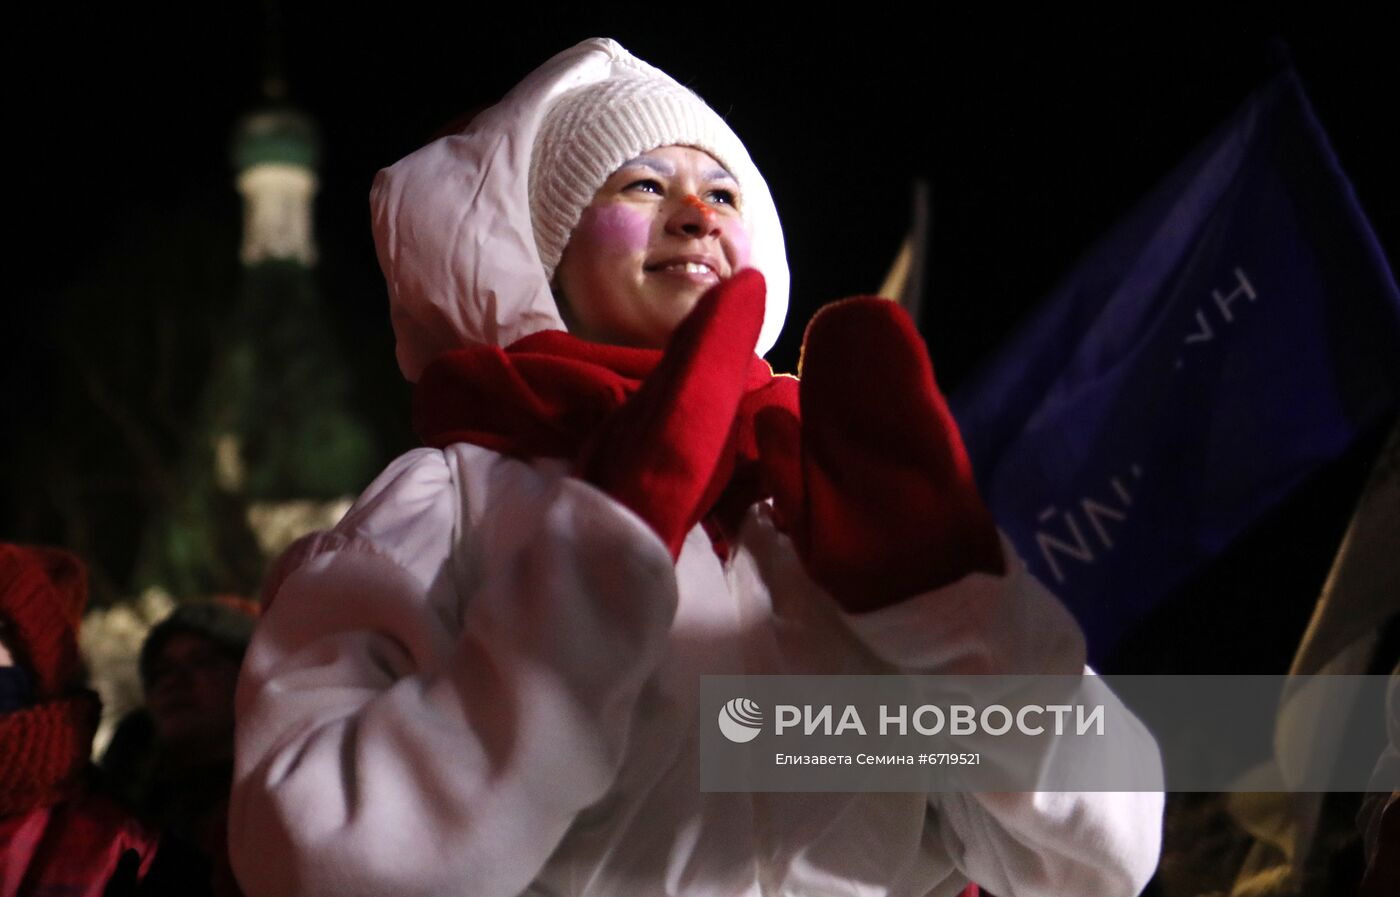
(484, 680)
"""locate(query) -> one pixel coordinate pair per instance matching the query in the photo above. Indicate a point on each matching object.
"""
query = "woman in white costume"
(484, 680)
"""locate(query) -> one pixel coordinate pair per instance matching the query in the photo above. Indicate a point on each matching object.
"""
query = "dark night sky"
(1035, 136)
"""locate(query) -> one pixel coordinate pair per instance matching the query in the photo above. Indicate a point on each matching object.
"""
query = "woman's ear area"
(561, 302)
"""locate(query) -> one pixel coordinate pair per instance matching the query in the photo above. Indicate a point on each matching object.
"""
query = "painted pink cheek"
(614, 228)
(740, 246)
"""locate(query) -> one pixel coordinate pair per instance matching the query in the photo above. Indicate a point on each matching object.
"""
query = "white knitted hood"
(453, 232)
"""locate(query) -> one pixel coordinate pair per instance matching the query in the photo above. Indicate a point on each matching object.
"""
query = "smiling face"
(662, 230)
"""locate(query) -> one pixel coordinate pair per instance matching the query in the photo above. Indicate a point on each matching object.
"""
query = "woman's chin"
(662, 311)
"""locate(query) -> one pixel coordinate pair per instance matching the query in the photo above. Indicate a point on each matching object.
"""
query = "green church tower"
(287, 394)
(280, 448)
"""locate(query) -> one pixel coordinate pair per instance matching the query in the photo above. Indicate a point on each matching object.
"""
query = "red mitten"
(873, 485)
(663, 454)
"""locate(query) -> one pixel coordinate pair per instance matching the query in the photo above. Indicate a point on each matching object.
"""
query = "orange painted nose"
(696, 202)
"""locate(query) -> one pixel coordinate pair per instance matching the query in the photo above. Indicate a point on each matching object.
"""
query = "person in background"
(58, 835)
(171, 762)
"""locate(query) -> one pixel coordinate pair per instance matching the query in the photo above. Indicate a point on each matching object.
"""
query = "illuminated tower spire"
(279, 445)
(286, 419)
(275, 151)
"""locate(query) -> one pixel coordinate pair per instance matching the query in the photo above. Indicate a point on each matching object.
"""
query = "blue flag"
(1233, 334)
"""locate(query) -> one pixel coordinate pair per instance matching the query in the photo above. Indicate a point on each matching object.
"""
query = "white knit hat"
(590, 131)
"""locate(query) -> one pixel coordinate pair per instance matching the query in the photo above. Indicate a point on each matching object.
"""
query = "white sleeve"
(1023, 844)
(424, 710)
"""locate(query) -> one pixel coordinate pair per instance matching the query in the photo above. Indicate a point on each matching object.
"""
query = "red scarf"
(545, 394)
(45, 748)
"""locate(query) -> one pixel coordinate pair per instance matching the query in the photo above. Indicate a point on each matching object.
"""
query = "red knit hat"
(42, 594)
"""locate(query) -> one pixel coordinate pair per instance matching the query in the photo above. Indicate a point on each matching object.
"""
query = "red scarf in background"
(45, 751)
